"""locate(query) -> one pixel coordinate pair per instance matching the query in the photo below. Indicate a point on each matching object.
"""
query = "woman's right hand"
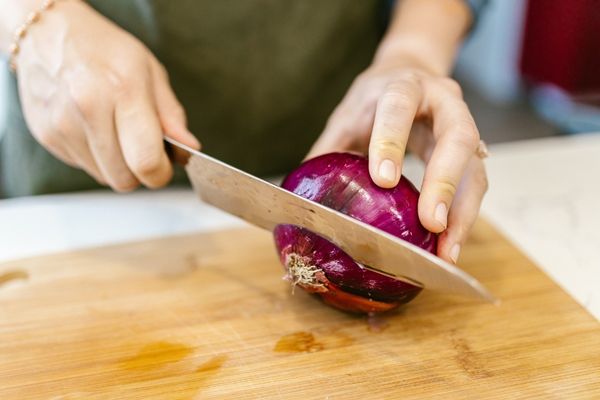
(95, 97)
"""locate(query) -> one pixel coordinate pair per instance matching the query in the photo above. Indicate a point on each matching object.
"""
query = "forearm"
(429, 32)
(14, 13)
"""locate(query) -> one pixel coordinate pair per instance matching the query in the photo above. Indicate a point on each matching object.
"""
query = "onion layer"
(341, 181)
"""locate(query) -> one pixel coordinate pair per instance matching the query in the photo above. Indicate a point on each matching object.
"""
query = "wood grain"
(207, 316)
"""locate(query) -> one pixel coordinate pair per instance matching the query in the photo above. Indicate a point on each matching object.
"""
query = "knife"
(266, 206)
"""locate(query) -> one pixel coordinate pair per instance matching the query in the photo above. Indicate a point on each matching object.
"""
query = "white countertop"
(544, 196)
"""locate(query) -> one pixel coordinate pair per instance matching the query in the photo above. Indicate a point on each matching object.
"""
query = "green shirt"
(258, 79)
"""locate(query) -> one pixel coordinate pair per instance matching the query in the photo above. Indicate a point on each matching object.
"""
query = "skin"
(104, 112)
(406, 101)
(403, 101)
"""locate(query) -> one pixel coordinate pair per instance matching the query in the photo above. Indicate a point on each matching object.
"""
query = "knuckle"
(137, 54)
(393, 102)
(100, 142)
(446, 187)
(123, 78)
(147, 164)
(391, 130)
(388, 147)
(485, 183)
(482, 180)
(461, 231)
(361, 79)
(162, 180)
(409, 75)
(466, 133)
(61, 121)
(47, 138)
(452, 86)
(85, 100)
(121, 83)
(125, 183)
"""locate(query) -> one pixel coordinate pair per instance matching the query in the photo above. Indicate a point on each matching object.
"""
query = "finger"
(140, 135)
(457, 139)
(106, 150)
(83, 159)
(50, 121)
(59, 140)
(39, 123)
(50, 139)
(170, 111)
(56, 147)
(72, 137)
(96, 120)
(464, 211)
(394, 117)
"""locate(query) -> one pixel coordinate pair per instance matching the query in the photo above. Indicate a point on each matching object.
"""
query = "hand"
(96, 98)
(392, 107)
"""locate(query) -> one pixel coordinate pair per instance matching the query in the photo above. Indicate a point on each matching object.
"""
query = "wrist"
(32, 23)
(428, 32)
(412, 53)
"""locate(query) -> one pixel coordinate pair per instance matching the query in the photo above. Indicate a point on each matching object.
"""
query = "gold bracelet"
(21, 32)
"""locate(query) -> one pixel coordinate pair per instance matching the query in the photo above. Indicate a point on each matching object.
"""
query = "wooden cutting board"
(208, 316)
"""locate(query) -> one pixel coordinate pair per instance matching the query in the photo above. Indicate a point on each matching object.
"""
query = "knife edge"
(462, 282)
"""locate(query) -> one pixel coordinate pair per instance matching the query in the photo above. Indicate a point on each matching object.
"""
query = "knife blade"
(266, 206)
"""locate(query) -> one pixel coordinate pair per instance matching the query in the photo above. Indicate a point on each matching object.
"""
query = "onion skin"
(341, 181)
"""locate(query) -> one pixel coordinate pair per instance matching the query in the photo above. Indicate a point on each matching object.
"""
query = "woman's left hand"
(392, 107)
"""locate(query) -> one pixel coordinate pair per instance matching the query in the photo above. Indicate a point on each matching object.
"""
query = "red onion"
(341, 181)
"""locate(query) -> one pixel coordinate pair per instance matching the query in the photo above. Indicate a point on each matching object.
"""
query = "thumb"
(343, 132)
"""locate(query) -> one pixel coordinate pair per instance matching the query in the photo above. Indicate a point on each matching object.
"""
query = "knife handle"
(175, 154)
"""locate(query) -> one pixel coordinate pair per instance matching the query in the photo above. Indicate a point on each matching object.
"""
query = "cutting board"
(208, 316)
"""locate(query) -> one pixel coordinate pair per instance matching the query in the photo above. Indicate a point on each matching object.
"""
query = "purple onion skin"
(341, 181)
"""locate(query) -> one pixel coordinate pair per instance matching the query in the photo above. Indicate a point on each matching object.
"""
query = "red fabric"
(561, 44)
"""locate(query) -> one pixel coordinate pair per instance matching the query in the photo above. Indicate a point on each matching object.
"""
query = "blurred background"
(3, 77)
(528, 70)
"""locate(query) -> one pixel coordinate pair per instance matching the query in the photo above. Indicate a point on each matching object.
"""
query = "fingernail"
(454, 253)
(387, 170)
(441, 214)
